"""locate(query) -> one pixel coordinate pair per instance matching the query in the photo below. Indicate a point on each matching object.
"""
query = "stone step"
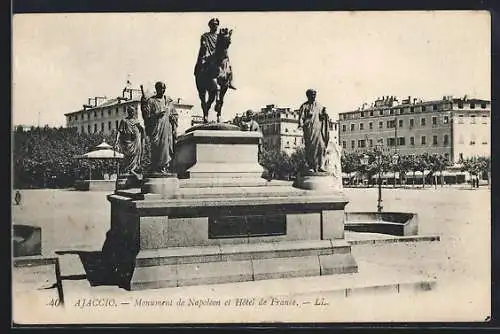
(240, 252)
(165, 276)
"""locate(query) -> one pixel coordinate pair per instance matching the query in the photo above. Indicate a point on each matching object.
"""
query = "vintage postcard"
(251, 167)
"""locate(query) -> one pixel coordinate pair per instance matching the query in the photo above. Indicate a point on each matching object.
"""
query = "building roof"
(418, 103)
(116, 101)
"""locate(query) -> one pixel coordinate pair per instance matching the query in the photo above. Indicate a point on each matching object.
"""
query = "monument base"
(220, 222)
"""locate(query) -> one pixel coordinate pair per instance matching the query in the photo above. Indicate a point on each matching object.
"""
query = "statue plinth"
(318, 181)
(218, 153)
(127, 181)
(166, 185)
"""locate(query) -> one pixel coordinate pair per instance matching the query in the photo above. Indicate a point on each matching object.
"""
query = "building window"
(371, 142)
(422, 140)
(109, 112)
(445, 140)
(434, 120)
(391, 124)
(401, 141)
(446, 119)
(434, 140)
(109, 125)
(343, 128)
(95, 114)
(286, 129)
(412, 109)
(434, 107)
(69, 118)
(352, 127)
(381, 112)
(371, 113)
(380, 125)
(472, 119)
(344, 144)
(370, 125)
(89, 129)
(361, 126)
(352, 144)
(483, 105)
(362, 114)
(422, 121)
(95, 127)
(412, 140)
(117, 111)
(361, 143)
(391, 141)
(423, 108)
(473, 106)
(391, 112)
(116, 124)
(400, 123)
(102, 126)
(460, 119)
(460, 105)
(88, 116)
(412, 122)
(485, 119)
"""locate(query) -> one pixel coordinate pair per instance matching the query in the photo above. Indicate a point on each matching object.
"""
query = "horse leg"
(211, 99)
(220, 101)
(202, 95)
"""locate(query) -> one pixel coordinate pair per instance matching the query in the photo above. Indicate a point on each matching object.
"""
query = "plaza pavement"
(459, 264)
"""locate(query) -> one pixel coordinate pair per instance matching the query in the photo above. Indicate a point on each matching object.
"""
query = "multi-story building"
(455, 128)
(280, 130)
(103, 115)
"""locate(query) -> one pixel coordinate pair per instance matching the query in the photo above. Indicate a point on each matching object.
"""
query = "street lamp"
(364, 161)
(395, 160)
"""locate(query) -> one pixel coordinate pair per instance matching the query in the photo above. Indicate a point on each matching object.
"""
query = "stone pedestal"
(218, 154)
(224, 224)
(318, 181)
(164, 185)
(127, 181)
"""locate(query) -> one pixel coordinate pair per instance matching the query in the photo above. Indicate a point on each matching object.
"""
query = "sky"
(60, 60)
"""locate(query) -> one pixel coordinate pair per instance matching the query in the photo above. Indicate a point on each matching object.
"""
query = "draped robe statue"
(160, 120)
(130, 136)
(314, 121)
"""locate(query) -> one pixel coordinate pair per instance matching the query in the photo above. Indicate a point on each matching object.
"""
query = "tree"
(277, 164)
(421, 164)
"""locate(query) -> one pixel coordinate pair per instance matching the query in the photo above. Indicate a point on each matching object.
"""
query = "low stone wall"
(393, 223)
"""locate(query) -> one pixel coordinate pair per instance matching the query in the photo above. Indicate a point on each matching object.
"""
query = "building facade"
(454, 128)
(280, 130)
(103, 115)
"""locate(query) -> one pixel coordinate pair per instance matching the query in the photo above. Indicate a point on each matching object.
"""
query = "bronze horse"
(214, 76)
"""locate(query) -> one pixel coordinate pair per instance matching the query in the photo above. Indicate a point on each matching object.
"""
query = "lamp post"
(364, 161)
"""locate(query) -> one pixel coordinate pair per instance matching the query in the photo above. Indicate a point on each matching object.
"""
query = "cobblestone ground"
(460, 261)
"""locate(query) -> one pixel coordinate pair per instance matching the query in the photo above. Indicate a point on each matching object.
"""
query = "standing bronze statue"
(130, 138)
(160, 122)
(213, 72)
(313, 119)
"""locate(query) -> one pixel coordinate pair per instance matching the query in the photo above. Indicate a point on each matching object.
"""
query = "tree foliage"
(44, 157)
